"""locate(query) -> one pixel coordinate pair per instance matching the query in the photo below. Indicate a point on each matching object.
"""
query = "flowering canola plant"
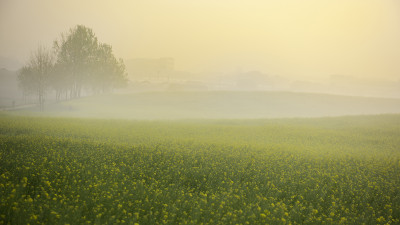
(288, 171)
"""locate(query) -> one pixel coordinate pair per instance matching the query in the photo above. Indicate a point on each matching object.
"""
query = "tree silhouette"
(80, 62)
(76, 56)
(83, 62)
(34, 78)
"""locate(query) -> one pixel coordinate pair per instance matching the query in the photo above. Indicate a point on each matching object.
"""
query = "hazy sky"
(310, 38)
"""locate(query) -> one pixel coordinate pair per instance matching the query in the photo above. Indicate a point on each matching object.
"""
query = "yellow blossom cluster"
(289, 171)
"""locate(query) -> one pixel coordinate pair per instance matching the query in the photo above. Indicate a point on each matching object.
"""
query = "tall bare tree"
(34, 78)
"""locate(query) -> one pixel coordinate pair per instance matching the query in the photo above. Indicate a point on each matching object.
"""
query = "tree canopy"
(79, 62)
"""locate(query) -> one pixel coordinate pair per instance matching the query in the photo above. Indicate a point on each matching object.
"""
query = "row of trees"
(76, 62)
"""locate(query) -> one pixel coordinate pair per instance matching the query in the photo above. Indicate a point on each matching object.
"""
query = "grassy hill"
(222, 104)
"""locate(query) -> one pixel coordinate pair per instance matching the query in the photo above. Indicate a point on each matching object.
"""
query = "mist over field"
(340, 48)
(215, 105)
(199, 112)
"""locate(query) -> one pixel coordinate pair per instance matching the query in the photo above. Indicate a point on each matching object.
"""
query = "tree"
(76, 56)
(83, 62)
(110, 72)
(34, 78)
(59, 81)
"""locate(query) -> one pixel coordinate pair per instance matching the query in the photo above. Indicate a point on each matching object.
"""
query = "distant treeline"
(77, 61)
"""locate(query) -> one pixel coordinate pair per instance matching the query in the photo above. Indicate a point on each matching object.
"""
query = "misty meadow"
(287, 171)
(199, 112)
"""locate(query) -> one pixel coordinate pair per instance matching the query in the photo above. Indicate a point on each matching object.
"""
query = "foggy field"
(200, 112)
(275, 171)
(217, 105)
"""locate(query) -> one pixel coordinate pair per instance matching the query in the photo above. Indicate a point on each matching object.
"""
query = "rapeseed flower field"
(343, 170)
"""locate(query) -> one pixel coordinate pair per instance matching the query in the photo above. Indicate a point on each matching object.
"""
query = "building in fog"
(144, 68)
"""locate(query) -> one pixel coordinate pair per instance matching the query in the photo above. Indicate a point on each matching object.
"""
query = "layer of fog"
(160, 91)
(345, 48)
(289, 38)
(156, 77)
(161, 75)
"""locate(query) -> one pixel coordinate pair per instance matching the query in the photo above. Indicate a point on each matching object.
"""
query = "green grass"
(282, 171)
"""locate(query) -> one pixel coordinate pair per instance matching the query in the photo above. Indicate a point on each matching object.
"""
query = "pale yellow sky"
(297, 38)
